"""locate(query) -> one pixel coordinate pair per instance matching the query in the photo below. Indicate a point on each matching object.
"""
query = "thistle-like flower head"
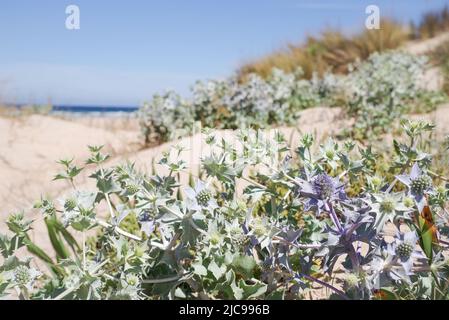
(200, 197)
(323, 186)
(321, 189)
(25, 276)
(404, 248)
(418, 184)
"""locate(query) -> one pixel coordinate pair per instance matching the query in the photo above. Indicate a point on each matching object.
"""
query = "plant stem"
(84, 251)
(334, 217)
(118, 230)
(194, 226)
(111, 211)
(390, 187)
(353, 255)
(173, 241)
(283, 173)
(173, 212)
(65, 293)
(327, 285)
(412, 143)
(163, 280)
(299, 245)
(437, 175)
(342, 174)
(253, 182)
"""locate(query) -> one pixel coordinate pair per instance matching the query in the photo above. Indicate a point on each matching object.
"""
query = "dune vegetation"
(361, 214)
(333, 51)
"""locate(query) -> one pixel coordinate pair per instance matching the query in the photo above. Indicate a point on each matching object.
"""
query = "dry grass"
(331, 51)
(128, 122)
(432, 23)
(440, 57)
(26, 110)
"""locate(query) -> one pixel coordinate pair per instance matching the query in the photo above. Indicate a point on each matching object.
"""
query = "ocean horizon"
(79, 108)
(93, 108)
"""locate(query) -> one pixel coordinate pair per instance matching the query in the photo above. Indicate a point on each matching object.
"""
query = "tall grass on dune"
(432, 23)
(440, 57)
(7, 110)
(331, 51)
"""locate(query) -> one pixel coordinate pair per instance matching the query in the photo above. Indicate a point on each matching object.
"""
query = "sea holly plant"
(374, 94)
(263, 221)
(232, 104)
(381, 89)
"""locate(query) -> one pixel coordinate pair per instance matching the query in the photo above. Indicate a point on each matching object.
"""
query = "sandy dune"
(424, 46)
(31, 145)
(29, 150)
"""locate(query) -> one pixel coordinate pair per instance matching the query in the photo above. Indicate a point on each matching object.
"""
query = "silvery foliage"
(232, 104)
(250, 103)
(376, 92)
(327, 87)
(165, 117)
(296, 222)
(380, 88)
(207, 102)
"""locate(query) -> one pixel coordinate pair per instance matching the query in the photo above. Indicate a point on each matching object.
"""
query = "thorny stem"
(66, 293)
(111, 211)
(353, 255)
(106, 195)
(118, 230)
(253, 182)
(173, 241)
(255, 255)
(73, 184)
(334, 217)
(194, 226)
(412, 143)
(84, 250)
(287, 195)
(299, 245)
(157, 245)
(71, 289)
(437, 175)
(24, 292)
(16, 246)
(342, 174)
(192, 223)
(325, 284)
(390, 187)
(163, 280)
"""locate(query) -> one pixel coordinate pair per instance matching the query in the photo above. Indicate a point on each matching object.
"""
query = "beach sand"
(30, 145)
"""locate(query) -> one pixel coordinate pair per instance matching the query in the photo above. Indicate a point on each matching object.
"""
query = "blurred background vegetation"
(333, 50)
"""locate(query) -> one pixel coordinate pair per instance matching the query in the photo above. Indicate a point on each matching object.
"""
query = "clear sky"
(127, 50)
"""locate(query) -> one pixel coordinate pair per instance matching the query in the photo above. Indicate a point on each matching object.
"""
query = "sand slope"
(30, 146)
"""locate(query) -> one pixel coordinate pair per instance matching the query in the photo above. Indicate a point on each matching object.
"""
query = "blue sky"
(127, 50)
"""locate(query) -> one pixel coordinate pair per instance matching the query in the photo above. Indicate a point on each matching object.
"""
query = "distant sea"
(77, 110)
(93, 109)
